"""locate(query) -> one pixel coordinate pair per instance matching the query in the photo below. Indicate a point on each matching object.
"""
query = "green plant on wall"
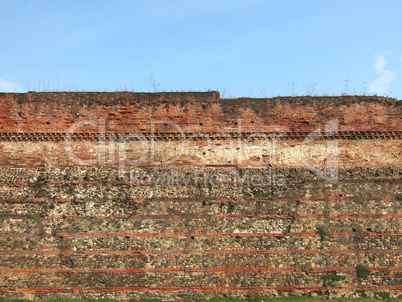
(262, 195)
(6, 214)
(399, 196)
(231, 207)
(322, 233)
(258, 195)
(382, 295)
(330, 277)
(34, 217)
(362, 271)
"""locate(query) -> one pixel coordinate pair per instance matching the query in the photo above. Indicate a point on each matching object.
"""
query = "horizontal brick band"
(305, 234)
(189, 270)
(199, 252)
(212, 135)
(232, 216)
(233, 182)
(234, 199)
(193, 288)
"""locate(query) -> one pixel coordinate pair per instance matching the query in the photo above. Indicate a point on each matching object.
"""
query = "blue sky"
(252, 48)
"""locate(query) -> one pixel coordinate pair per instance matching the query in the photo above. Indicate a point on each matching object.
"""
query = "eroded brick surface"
(281, 212)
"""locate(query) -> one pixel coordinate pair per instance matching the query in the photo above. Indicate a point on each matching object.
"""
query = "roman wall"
(186, 195)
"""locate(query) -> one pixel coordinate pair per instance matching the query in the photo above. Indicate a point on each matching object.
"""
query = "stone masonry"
(185, 195)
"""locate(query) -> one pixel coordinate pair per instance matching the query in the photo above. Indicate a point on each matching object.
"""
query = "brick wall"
(193, 112)
(232, 216)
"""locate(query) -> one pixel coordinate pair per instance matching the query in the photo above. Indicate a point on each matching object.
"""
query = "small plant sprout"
(362, 271)
(322, 233)
(231, 207)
